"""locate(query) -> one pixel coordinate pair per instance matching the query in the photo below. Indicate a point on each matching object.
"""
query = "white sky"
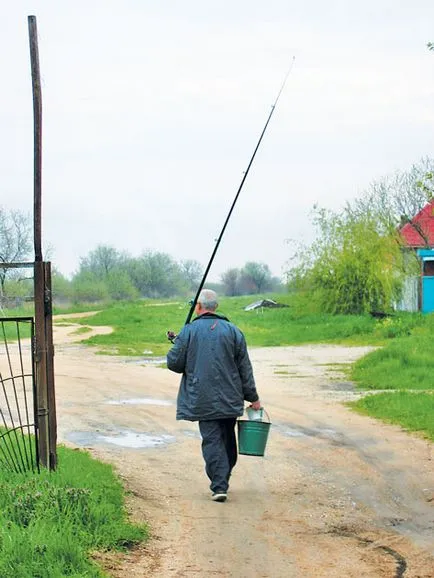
(152, 110)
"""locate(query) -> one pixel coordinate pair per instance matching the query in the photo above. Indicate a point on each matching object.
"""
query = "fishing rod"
(170, 334)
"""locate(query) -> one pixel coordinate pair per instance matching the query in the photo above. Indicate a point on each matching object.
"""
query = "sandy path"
(336, 495)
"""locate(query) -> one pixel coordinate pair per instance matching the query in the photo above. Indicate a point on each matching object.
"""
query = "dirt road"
(337, 495)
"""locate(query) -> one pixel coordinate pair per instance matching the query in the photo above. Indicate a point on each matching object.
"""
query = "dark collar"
(210, 316)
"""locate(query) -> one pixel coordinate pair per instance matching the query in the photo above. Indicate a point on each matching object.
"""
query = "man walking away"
(211, 353)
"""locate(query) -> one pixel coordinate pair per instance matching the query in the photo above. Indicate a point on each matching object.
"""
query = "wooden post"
(41, 365)
(44, 367)
(51, 397)
(37, 136)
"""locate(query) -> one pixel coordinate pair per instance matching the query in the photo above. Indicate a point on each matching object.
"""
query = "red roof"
(423, 221)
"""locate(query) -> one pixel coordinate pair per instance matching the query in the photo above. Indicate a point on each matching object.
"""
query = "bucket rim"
(240, 418)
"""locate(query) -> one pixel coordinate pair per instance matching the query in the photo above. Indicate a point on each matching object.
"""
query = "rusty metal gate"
(18, 423)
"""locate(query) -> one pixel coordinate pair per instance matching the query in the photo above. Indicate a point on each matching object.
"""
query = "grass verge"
(411, 410)
(405, 367)
(406, 363)
(52, 522)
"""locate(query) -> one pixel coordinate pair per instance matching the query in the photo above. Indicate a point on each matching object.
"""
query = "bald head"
(207, 300)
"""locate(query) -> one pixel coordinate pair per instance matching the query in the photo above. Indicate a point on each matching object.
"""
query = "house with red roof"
(418, 235)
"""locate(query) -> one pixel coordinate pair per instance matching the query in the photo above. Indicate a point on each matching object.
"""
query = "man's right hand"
(256, 405)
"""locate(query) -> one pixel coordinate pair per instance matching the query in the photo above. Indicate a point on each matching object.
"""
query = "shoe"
(219, 496)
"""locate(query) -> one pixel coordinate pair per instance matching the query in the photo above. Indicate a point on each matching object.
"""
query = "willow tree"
(351, 268)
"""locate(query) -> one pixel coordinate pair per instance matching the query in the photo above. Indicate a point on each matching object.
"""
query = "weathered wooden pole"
(37, 136)
(51, 397)
(41, 349)
(41, 365)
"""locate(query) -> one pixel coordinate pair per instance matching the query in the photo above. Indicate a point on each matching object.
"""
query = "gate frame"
(43, 355)
(30, 320)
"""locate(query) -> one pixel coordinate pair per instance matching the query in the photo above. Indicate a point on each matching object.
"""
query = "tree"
(192, 272)
(352, 267)
(158, 275)
(15, 241)
(87, 289)
(103, 274)
(120, 286)
(61, 286)
(102, 261)
(255, 277)
(230, 280)
(16, 290)
(394, 200)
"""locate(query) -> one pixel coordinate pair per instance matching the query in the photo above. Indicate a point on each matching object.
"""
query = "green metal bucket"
(252, 437)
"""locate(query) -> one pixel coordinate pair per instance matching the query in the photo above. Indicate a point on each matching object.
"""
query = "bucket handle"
(266, 413)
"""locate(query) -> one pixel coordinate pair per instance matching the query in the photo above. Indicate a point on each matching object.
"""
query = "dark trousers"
(219, 449)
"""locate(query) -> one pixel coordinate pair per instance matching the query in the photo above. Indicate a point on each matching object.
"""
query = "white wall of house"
(410, 295)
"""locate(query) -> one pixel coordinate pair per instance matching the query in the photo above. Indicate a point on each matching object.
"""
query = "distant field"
(142, 325)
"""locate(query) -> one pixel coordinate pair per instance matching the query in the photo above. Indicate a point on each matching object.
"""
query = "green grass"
(10, 331)
(411, 410)
(141, 326)
(82, 330)
(51, 523)
(405, 363)
(138, 327)
(406, 366)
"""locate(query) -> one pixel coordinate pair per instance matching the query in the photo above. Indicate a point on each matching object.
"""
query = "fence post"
(41, 364)
(51, 397)
(37, 136)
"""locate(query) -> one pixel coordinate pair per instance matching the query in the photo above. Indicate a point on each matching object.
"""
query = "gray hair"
(208, 299)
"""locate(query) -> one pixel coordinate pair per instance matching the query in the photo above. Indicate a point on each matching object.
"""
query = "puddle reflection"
(125, 439)
(140, 401)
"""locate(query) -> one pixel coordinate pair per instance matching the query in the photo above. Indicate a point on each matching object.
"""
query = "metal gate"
(18, 425)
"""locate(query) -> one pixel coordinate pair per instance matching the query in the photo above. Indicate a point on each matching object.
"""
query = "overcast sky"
(152, 110)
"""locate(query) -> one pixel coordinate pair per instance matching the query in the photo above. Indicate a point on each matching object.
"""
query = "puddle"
(191, 434)
(147, 360)
(336, 438)
(293, 433)
(139, 401)
(125, 439)
(340, 386)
